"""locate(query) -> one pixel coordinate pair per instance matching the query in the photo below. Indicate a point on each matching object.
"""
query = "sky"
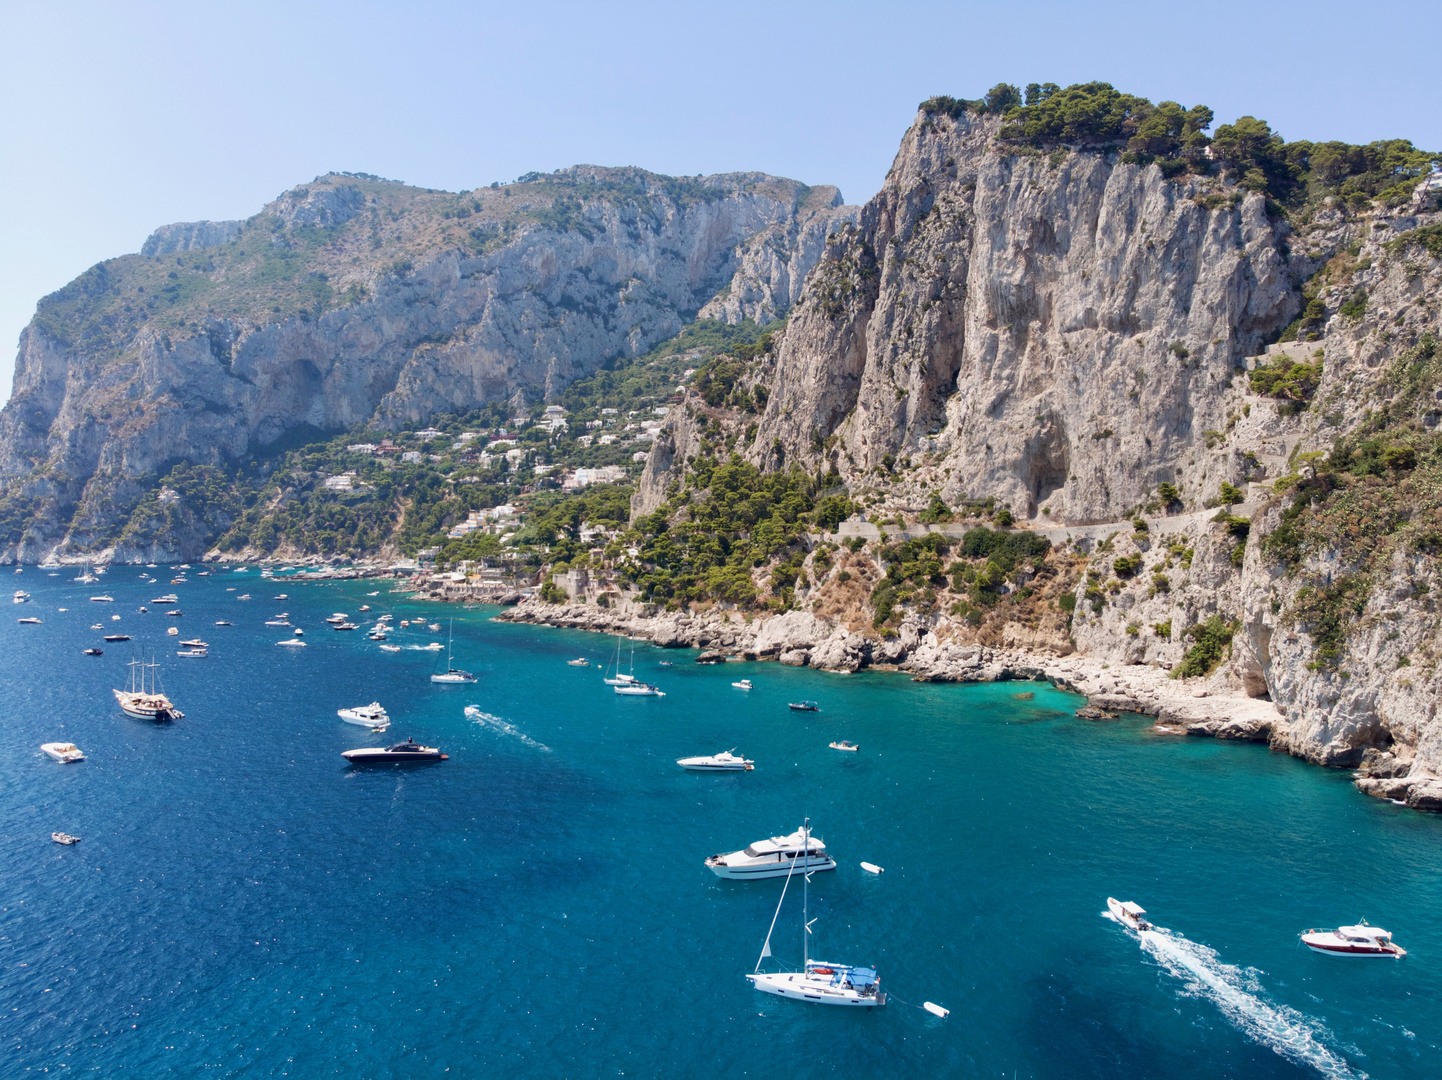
(117, 118)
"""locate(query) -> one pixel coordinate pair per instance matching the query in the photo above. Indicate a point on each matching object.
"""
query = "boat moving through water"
(1129, 914)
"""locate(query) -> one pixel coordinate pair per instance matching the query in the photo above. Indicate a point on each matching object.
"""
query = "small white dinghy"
(935, 1009)
(872, 868)
(1129, 914)
(725, 761)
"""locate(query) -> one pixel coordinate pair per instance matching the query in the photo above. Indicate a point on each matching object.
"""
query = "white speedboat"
(1129, 914)
(65, 752)
(168, 598)
(725, 761)
(390, 648)
(452, 675)
(196, 643)
(638, 689)
(774, 857)
(1359, 940)
(820, 982)
(292, 642)
(173, 631)
(580, 661)
(365, 607)
(64, 838)
(337, 617)
(102, 599)
(368, 716)
(146, 700)
(32, 621)
(192, 653)
(843, 744)
(744, 684)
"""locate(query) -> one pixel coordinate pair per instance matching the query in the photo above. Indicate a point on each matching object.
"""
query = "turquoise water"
(243, 903)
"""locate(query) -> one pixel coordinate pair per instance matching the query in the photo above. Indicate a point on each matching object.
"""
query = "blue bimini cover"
(861, 976)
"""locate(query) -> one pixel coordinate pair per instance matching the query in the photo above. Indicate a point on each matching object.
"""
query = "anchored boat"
(145, 700)
(774, 857)
(818, 981)
(1359, 940)
(725, 761)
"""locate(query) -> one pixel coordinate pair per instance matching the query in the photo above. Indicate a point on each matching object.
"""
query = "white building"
(585, 440)
(607, 440)
(661, 410)
(428, 434)
(640, 455)
(411, 456)
(608, 412)
(344, 482)
(607, 474)
(167, 495)
(362, 448)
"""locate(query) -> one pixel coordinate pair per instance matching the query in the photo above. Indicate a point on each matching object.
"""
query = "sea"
(244, 903)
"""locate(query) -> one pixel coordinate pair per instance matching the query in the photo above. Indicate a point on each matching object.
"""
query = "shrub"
(1067, 602)
(1163, 629)
(1228, 494)
(1212, 638)
(1169, 495)
(1285, 378)
(936, 512)
(1126, 565)
(1355, 305)
(1004, 517)
(552, 593)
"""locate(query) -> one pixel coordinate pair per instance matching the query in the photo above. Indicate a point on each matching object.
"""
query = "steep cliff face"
(353, 299)
(1056, 330)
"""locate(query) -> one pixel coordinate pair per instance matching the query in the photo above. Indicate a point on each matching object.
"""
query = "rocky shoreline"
(1200, 707)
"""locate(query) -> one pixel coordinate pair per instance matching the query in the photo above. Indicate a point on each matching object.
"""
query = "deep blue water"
(243, 903)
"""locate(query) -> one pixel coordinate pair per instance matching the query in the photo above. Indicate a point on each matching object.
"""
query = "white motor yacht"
(1359, 940)
(338, 617)
(293, 642)
(192, 653)
(744, 684)
(368, 716)
(102, 599)
(725, 761)
(774, 857)
(580, 661)
(1128, 913)
(65, 752)
(390, 648)
(819, 981)
(21, 596)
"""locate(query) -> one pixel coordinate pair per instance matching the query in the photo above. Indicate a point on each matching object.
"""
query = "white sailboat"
(818, 981)
(619, 679)
(452, 674)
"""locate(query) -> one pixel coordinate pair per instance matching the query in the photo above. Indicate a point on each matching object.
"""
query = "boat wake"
(495, 723)
(1297, 1037)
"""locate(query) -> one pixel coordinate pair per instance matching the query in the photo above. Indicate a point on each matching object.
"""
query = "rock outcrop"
(1054, 331)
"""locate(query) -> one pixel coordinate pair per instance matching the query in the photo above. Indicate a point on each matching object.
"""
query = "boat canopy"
(1363, 933)
(790, 843)
(1131, 907)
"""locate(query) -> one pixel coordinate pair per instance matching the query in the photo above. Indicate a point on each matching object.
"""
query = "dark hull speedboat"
(408, 751)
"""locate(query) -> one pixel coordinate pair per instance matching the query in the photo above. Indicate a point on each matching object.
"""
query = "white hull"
(715, 768)
(63, 752)
(638, 691)
(452, 680)
(757, 871)
(818, 990)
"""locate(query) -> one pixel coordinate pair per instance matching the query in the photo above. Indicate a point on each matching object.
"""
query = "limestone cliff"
(353, 299)
(1056, 330)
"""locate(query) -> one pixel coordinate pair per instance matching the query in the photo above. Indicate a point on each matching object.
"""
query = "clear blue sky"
(117, 118)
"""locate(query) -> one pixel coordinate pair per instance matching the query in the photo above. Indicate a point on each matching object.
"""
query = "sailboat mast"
(805, 893)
